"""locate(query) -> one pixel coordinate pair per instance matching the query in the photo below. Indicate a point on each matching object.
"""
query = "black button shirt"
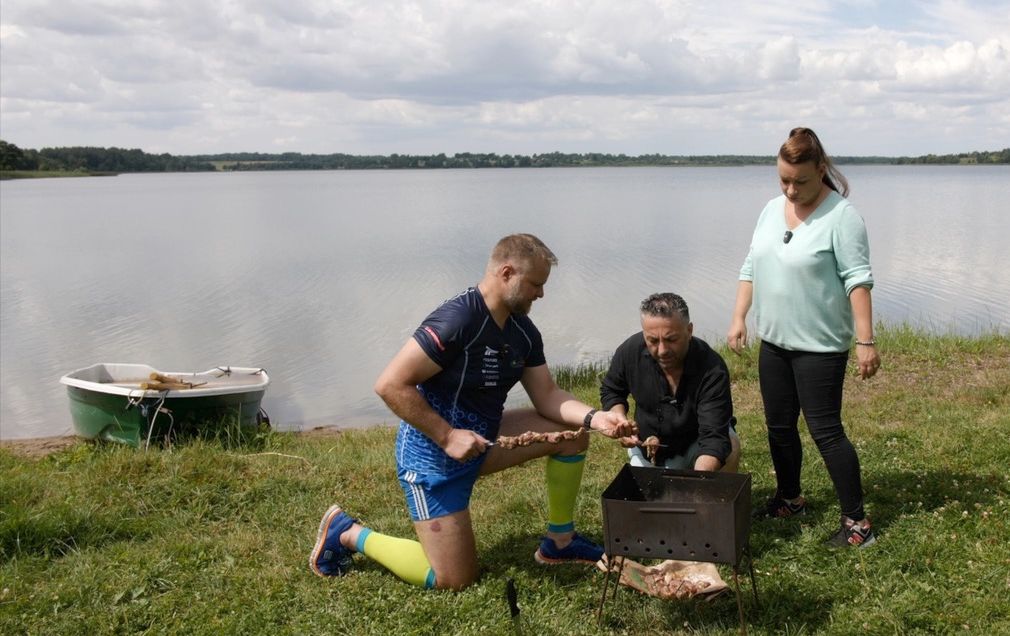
(702, 408)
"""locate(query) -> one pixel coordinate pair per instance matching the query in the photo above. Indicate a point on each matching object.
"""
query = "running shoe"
(329, 557)
(580, 550)
(779, 508)
(852, 533)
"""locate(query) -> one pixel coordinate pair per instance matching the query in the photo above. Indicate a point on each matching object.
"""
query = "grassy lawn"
(205, 538)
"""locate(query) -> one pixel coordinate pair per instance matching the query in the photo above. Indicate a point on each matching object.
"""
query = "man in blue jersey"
(448, 384)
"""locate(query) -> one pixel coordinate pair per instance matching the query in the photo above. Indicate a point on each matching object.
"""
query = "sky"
(675, 77)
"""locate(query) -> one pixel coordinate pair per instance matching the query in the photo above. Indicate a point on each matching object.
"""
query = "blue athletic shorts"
(434, 495)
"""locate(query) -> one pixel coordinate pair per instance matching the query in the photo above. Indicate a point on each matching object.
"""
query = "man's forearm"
(563, 407)
(412, 408)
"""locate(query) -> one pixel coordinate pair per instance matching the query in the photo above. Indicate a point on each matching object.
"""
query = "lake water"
(320, 277)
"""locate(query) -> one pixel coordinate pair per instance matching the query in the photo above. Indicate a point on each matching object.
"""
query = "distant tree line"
(92, 160)
(995, 156)
(297, 161)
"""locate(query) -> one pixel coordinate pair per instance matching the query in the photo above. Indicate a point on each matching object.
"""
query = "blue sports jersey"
(480, 364)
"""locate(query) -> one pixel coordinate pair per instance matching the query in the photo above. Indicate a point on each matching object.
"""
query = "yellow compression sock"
(564, 476)
(402, 557)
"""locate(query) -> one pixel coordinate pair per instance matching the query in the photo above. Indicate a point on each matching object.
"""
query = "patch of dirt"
(38, 447)
(320, 431)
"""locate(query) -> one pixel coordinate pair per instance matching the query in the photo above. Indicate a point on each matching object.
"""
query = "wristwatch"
(588, 419)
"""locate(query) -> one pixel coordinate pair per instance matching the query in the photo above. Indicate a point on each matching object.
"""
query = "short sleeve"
(440, 335)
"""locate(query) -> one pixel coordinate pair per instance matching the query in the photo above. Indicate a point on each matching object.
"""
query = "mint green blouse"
(801, 288)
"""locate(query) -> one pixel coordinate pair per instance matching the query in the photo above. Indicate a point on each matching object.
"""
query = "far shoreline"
(10, 175)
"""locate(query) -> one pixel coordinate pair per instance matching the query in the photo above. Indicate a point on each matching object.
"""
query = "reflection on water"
(319, 277)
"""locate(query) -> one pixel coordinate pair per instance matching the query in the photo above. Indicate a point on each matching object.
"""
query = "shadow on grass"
(515, 553)
(889, 495)
(893, 494)
(62, 530)
(782, 603)
(786, 602)
(766, 533)
(507, 557)
(779, 603)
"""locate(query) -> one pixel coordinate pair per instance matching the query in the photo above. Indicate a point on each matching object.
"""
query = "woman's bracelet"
(868, 343)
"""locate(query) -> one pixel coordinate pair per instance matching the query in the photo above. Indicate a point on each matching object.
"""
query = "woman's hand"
(868, 360)
(736, 338)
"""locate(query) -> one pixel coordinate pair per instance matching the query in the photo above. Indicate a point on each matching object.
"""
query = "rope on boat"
(138, 402)
(227, 371)
(158, 409)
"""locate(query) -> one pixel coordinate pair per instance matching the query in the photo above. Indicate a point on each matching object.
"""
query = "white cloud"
(961, 65)
(674, 76)
(780, 60)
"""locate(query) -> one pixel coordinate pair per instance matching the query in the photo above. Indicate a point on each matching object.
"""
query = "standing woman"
(808, 277)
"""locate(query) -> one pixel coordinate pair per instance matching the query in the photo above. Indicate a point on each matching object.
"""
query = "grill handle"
(680, 475)
(676, 511)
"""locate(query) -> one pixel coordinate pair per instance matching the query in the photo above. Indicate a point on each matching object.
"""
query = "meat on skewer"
(651, 445)
(531, 437)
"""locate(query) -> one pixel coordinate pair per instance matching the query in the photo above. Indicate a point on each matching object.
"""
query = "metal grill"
(686, 515)
(677, 514)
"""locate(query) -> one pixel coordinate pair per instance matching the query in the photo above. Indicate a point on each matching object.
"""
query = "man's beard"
(517, 304)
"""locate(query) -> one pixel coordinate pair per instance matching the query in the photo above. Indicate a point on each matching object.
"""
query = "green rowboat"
(124, 403)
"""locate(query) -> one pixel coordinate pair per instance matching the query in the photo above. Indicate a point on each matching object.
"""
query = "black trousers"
(792, 381)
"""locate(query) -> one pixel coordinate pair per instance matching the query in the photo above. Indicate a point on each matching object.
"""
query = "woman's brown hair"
(803, 146)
